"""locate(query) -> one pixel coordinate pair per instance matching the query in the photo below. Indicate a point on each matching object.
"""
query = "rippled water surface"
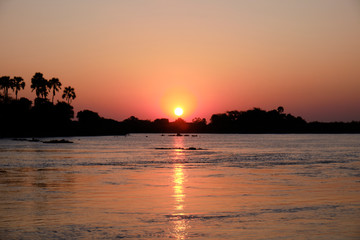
(155, 187)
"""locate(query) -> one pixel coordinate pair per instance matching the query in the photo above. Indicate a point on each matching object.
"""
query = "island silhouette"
(43, 118)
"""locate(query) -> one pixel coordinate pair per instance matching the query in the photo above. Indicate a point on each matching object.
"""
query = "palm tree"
(69, 94)
(40, 85)
(55, 85)
(5, 83)
(18, 84)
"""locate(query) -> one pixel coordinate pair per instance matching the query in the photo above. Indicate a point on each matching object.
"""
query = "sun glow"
(178, 111)
(178, 97)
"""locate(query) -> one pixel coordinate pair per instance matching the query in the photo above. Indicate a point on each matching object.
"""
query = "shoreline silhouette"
(44, 118)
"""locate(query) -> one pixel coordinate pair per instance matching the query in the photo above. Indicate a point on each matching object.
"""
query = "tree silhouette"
(69, 94)
(280, 109)
(5, 84)
(40, 85)
(179, 125)
(55, 85)
(88, 117)
(18, 84)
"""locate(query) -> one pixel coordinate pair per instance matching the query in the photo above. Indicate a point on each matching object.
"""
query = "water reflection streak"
(179, 225)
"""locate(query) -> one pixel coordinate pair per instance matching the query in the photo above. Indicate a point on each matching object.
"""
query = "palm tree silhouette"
(55, 85)
(17, 84)
(69, 94)
(5, 83)
(40, 85)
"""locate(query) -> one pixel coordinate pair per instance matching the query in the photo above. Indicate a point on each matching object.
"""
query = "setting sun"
(178, 111)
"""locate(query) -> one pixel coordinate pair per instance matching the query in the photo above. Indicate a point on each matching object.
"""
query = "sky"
(144, 58)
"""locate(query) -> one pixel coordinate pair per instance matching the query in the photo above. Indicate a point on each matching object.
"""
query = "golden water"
(235, 187)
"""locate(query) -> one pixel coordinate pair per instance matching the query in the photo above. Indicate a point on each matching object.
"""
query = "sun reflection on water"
(179, 224)
(178, 187)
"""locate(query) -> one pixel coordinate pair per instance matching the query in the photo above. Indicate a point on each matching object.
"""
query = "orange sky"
(144, 58)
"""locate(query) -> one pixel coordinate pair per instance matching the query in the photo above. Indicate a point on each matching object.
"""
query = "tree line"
(42, 117)
(23, 117)
(41, 86)
(254, 120)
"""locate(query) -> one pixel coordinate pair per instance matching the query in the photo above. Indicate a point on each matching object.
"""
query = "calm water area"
(148, 186)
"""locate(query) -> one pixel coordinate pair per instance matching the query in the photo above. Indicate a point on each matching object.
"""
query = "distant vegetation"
(24, 118)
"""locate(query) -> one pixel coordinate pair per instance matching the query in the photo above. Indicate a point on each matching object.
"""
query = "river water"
(148, 186)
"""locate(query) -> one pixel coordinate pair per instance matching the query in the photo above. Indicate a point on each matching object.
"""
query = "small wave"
(299, 209)
(220, 216)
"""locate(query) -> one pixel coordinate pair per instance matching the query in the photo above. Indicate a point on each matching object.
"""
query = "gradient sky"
(146, 57)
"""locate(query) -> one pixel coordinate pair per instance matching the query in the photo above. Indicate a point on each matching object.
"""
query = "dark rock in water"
(170, 148)
(58, 141)
(193, 148)
(179, 148)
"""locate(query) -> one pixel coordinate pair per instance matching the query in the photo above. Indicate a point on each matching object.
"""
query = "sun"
(178, 111)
